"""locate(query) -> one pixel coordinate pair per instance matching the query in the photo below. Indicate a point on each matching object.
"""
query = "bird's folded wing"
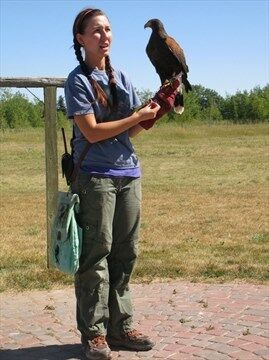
(177, 51)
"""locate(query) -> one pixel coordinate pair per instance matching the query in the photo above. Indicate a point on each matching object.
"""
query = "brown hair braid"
(79, 26)
(112, 81)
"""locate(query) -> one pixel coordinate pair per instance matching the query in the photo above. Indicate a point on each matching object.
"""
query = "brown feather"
(177, 52)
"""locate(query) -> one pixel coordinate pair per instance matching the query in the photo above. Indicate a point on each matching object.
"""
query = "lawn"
(205, 206)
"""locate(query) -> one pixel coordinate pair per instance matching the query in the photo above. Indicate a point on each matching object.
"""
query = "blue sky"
(225, 42)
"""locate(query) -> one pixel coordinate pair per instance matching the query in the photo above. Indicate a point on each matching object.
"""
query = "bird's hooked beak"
(148, 24)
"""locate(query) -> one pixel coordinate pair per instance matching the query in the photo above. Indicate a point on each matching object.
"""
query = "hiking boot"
(96, 348)
(133, 340)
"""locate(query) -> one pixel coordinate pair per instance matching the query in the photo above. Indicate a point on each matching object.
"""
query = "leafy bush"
(17, 111)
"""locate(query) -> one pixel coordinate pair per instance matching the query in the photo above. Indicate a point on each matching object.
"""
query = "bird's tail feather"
(186, 83)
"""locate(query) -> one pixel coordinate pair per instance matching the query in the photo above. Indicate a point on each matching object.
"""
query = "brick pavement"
(188, 321)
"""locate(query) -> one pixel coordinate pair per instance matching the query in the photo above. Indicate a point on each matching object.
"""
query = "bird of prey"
(168, 58)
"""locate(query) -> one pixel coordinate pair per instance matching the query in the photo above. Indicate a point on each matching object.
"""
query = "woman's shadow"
(47, 352)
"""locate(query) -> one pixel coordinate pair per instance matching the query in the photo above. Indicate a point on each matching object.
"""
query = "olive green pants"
(110, 217)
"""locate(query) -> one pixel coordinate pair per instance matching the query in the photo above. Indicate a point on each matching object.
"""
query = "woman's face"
(96, 38)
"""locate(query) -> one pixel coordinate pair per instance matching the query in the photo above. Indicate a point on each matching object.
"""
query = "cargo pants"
(110, 218)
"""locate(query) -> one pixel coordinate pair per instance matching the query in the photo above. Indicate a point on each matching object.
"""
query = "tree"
(61, 104)
(259, 103)
(207, 97)
(211, 112)
(15, 111)
(144, 95)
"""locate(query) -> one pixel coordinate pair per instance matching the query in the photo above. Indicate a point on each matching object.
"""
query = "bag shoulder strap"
(82, 155)
(81, 158)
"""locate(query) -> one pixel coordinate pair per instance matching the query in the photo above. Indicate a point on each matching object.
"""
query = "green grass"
(205, 206)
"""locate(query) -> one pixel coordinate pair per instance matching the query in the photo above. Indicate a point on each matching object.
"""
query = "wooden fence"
(50, 86)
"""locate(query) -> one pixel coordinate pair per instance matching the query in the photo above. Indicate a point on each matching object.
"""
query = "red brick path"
(187, 321)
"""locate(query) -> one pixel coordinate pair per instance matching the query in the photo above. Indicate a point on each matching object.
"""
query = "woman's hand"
(149, 111)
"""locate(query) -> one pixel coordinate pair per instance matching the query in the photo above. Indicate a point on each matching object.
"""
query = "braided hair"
(78, 28)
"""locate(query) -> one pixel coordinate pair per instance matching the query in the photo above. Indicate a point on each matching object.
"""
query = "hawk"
(168, 58)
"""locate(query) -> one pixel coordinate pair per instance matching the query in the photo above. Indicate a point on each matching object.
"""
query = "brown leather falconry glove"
(165, 97)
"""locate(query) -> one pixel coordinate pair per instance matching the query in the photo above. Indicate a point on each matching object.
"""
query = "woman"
(101, 101)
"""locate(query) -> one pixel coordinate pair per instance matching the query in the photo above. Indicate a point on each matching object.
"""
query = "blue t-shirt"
(114, 156)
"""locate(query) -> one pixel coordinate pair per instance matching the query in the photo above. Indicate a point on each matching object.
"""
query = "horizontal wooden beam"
(31, 82)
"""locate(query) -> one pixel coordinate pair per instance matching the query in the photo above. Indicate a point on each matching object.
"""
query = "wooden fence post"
(50, 86)
(51, 162)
